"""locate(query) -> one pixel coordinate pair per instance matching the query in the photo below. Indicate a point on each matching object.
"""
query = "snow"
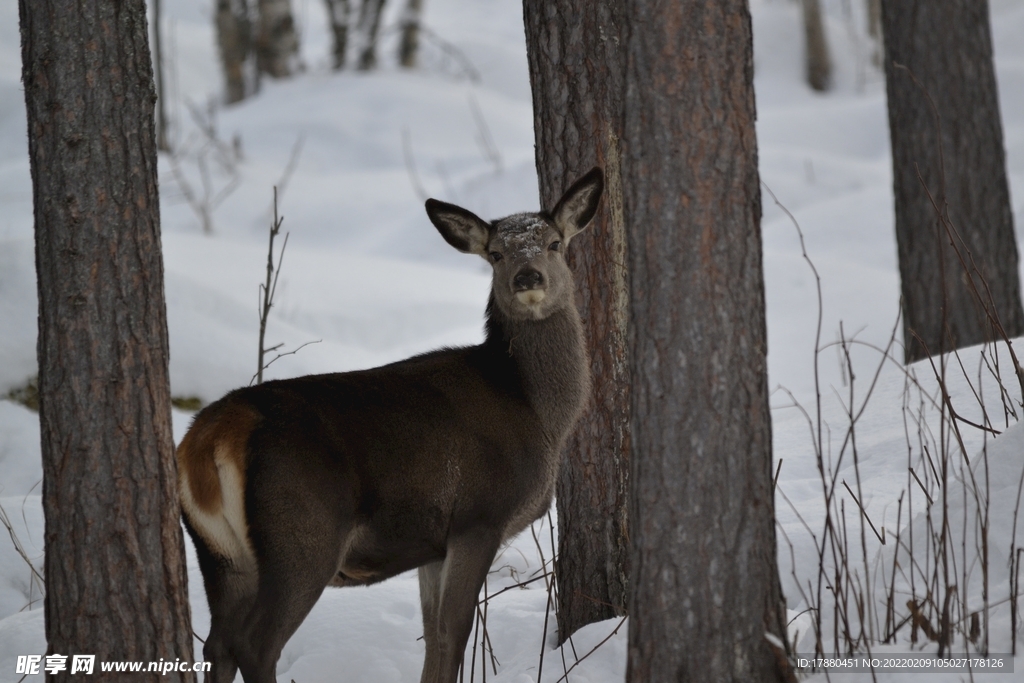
(368, 279)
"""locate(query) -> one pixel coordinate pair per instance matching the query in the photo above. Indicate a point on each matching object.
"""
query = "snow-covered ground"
(368, 277)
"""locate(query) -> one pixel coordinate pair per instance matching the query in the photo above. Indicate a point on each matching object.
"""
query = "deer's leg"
(230, 592)
(430, 597)
(288, 589)
(461, 575)
(235, 593)
(298, 556)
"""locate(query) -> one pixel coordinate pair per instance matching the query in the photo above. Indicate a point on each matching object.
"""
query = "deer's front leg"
(453, 587)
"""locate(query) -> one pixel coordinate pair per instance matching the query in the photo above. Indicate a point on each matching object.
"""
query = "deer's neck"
(550, 359)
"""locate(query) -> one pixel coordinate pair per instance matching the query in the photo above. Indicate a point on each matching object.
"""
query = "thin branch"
(410, 167)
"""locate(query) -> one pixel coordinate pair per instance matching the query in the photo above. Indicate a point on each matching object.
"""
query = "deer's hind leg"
(298, 555)
(230, 591)
(448, 592)
(285, 597)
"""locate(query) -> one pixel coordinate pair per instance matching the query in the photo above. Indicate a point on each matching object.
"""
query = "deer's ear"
(462, 229)
(578, 205)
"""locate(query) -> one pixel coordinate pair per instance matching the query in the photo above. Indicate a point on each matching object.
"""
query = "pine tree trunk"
(277, 43)
(162, 142)
(339, 13)
(957, 148)
(115, 561)
(234, 31)
(576, 51)
(819, 66)
(705, 586)
(369, 23)
(410, 33)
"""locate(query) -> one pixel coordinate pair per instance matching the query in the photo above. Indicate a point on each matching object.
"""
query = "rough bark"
(338, 14)
(115, 562)
(161, 95)
(576, 51)
(369, 24)
(818, 64)
(410, 33)
(705, 586)
(276, 42)
(947, 141)
(234, 38)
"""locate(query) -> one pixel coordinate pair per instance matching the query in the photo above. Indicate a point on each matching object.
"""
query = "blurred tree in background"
(254, 41)
(954, 226)
(817, 61)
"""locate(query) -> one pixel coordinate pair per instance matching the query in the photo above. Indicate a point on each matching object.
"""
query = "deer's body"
(431, 462)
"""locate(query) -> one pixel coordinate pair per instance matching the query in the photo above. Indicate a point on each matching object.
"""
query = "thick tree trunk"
(276, 42)
(818, 64)
(234, 38)
(705, 586)
(339, 13)
(115, 562)
(410, 33)
(576, 51)
(369, 24)
(956, 150)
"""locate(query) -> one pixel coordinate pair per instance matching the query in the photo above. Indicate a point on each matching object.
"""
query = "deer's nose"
(528, 278)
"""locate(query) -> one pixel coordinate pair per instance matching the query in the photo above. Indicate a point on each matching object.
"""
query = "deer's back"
(391, 459)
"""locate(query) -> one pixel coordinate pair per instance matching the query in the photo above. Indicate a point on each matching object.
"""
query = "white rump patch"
(225, 531)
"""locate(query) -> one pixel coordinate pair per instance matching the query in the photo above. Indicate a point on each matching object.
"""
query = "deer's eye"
(495, 256)
(555, 246)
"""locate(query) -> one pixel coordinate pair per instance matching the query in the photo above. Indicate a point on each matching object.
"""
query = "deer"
(429, 463)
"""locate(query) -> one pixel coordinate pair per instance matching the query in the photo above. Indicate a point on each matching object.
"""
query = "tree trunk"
(115, 562)
(410, 33)
(234, 37)
(705, 586)
(819, 66)
(956, 150)
(576, 51)
(875, 18)
(162, 143)
(339, 13)
(875, 30)
(276, 43)
(369, 23)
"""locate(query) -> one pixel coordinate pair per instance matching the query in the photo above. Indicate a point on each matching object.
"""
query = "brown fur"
(215, 437)
(430, 463)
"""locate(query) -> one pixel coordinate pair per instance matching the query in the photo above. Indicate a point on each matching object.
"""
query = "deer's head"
(526, 250)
